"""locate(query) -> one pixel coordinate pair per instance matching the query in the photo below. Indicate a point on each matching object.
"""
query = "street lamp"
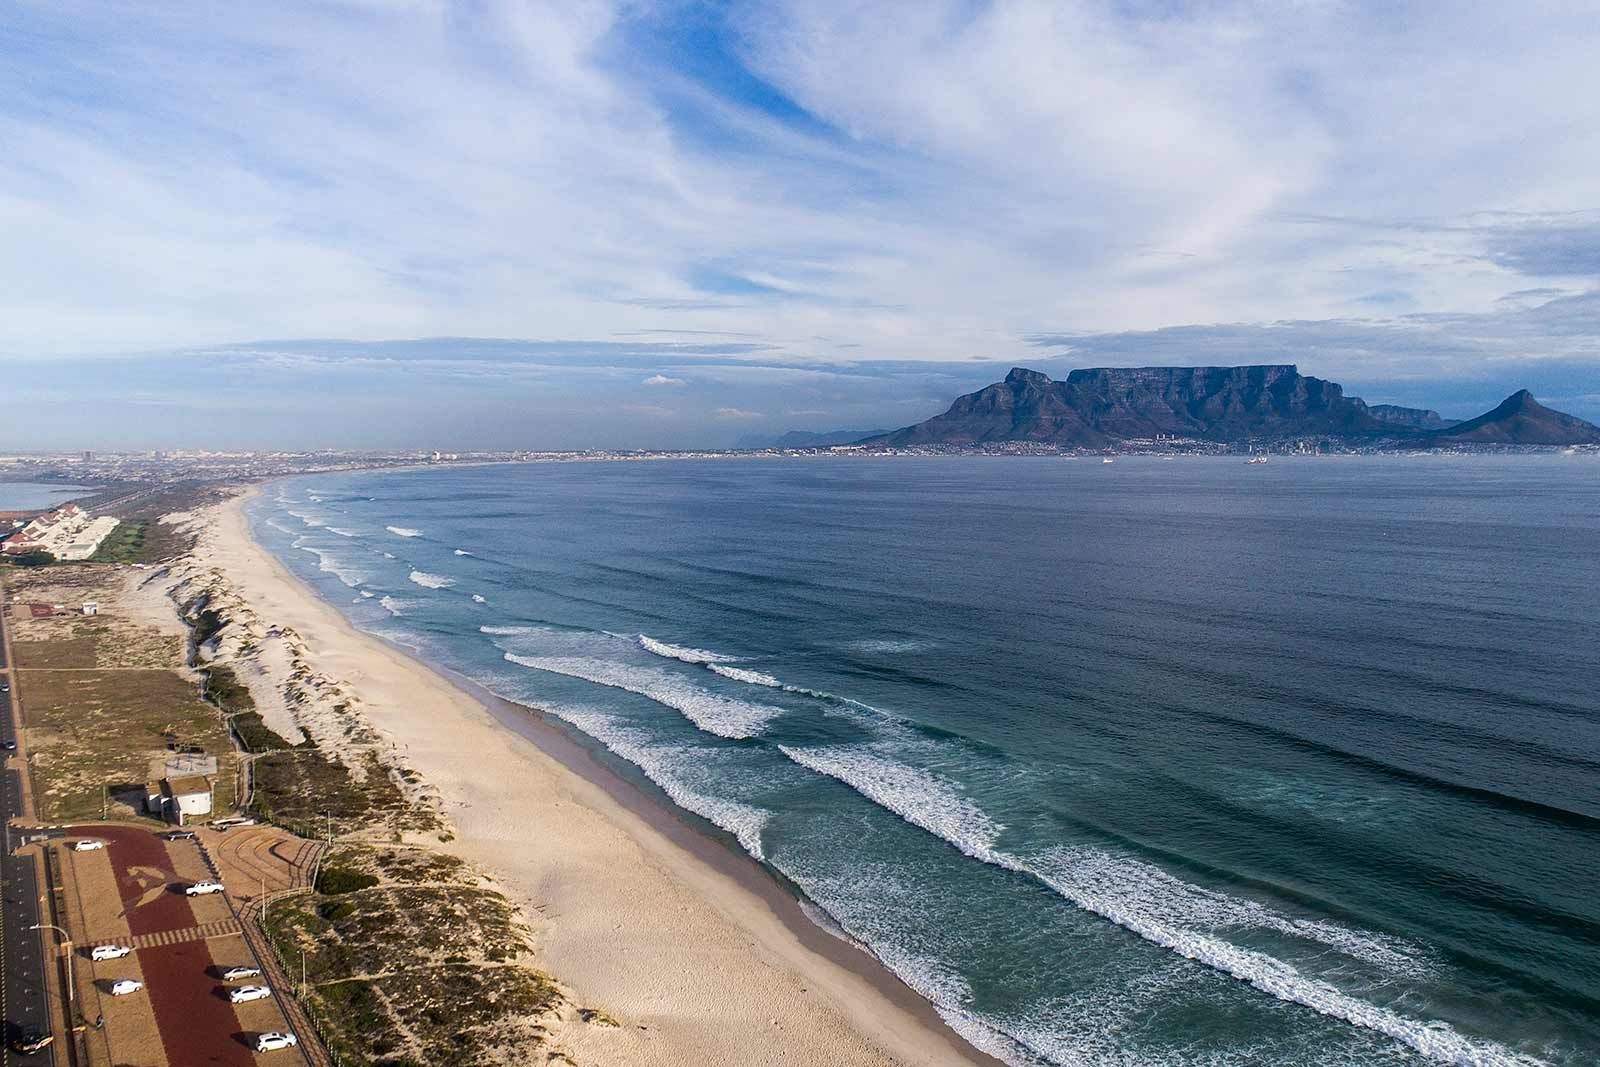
(64, 940)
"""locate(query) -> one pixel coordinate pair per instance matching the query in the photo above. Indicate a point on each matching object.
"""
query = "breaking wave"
(431, 581)
(403, 531)
(723, 716)
(662, 765)
(462, 552)
(478, 599)
(687, 655)
(1109, 886)
(750, 677)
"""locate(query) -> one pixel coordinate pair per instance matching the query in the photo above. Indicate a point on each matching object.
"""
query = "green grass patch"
(124, 544)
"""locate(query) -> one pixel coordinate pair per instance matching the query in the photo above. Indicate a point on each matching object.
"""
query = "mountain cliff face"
(1102, 406)
(1409, 418)
(1096, 407)
(1520, 420)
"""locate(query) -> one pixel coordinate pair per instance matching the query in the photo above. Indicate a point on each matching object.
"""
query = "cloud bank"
(762, 207)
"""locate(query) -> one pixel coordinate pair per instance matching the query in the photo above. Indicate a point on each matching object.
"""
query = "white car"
(246, 993)
(101, 953)
(200, 889)
(123, 986)
(272, 1039)
(87, 845)
(240, 973)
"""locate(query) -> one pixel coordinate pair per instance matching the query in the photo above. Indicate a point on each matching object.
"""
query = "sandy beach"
(697, 952)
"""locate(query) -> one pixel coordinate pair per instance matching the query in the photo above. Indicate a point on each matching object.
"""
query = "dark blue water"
(1159, 762)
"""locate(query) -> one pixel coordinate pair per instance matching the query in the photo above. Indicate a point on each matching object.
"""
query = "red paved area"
(198, 1025)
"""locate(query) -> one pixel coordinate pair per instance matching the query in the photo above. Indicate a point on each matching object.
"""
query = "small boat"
(1108, 459)
(1256, 459)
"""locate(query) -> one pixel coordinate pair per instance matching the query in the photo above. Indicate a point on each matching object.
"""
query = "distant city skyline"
(683, 223)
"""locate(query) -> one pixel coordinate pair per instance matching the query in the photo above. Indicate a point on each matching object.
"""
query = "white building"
(180, 799)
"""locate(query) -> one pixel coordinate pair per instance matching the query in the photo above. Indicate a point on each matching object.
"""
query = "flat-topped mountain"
(1097, 407)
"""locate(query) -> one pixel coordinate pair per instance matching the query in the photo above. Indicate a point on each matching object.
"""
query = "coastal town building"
(67, 533)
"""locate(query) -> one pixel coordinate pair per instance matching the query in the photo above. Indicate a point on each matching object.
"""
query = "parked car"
(231, 821)
(247, 993)
(273, 1039)
(101, 953)
(123, 986)
(88, 844)
(5, 687)
(200, 889)
(240, 973)
(179, 835)
(9, 745)
(30, 1038)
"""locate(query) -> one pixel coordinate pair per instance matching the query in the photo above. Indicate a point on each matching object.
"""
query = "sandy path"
(695, 965)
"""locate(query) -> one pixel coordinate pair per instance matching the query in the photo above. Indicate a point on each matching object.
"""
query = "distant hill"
(1099, 407)
(1410, 418)
(807, 439)
(1520, 420)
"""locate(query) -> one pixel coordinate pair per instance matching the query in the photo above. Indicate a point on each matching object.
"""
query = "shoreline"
(866, 1013)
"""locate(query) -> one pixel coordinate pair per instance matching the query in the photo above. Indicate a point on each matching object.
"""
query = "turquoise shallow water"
(1158, 762)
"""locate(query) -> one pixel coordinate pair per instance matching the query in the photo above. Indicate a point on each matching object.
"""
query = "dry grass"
(94, 730)
(114, 638)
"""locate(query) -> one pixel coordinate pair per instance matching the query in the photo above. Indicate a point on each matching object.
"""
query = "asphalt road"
(22, 960)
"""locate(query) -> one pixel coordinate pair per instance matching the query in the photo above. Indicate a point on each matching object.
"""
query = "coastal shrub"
(333, 881)
(40, 558)
(224, 689)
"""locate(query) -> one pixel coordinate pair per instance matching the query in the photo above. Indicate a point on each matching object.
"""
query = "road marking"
(160, 938)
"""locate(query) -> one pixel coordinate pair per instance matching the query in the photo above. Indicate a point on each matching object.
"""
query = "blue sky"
(687, 222)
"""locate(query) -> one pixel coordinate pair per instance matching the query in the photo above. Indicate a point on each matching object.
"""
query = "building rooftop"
(186, 786)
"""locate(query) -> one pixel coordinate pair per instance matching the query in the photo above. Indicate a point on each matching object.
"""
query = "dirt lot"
(120, 636)
(94, 729)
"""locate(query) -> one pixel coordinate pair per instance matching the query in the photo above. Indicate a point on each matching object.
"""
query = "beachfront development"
(68, 533)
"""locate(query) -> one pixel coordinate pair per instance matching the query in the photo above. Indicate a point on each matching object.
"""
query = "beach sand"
(697, 952)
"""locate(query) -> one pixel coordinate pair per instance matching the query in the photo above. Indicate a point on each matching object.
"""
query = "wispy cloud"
(777, 193)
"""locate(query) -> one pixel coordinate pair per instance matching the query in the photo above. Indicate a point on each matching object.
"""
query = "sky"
(670, 223)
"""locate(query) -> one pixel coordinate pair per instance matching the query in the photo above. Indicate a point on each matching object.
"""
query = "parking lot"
(131, 894)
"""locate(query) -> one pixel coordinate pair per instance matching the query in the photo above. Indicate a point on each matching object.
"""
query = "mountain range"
(1103, 407)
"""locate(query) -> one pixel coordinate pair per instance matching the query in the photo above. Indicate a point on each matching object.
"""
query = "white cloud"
(966, 174)
(662, 380)
(737, 413)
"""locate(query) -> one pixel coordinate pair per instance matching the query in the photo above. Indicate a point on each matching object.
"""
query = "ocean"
(1165, 762)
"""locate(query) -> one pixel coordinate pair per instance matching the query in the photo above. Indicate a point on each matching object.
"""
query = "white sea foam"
(393, 606)
(687, 655)
(403, 531)
(330, 564)
(752, 677)
(280, 527)
(515, 631)
(307, 520)
(1086, 879)
(388, 555)
(462, 552)
(341, 532)
(366, 593)
(663, 765)
(712, 713)
(891, 645)
(431, 581)
(477, 599)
